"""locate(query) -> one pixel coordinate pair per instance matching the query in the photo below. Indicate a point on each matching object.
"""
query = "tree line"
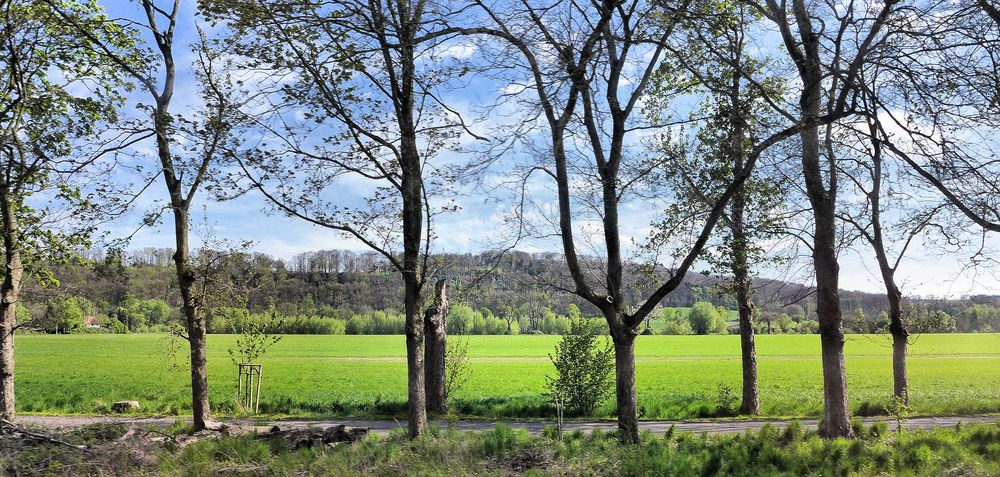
(134, 292)
(754, 132)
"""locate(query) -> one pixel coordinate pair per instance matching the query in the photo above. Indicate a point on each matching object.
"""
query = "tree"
(829, 85)
(739, 94)
(675, 323)
(888, 191)
(53, 93)
(370, 110)
(65, 314)
(705, 318)
(598, 47)
(186, 148)
(583, 371)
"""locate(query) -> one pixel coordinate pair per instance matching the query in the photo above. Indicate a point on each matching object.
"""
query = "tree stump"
(124, 406)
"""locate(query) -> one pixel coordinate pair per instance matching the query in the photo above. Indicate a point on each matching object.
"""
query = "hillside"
(360, 282)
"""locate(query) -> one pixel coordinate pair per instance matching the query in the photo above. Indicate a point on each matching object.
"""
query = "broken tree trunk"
(435, 323)
(300, 438)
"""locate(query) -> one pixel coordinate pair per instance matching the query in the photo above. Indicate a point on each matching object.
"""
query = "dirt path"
(384, 426)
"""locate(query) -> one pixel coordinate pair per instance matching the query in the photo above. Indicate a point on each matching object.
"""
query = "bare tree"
(587, 68)
(829, 48)
(351, 91)
(936, 103)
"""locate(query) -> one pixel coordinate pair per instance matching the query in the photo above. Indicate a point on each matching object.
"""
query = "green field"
(677, 376)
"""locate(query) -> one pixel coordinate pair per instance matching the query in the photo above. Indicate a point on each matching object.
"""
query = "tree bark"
(416, 399)
(9, 296)
(823, 199)
(900, 336)
(194, 321)
(836, 414)
(625, 396)
(435, 326)
(751, 396)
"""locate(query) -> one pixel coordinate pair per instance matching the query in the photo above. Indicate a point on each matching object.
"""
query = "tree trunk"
(628, 414)
(823, 199)
(751, 397)
(435, 326)
(416, 399)
(195, 323)
(8, 319)
(899, 343)
(836, 414)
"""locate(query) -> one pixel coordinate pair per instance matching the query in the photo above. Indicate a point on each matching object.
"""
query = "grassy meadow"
(364, 376)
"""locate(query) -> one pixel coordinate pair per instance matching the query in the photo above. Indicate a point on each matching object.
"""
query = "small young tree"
(254, 340)
(584, 370)
(456, 365)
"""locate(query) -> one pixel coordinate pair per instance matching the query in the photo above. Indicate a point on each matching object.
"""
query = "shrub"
(584, 370)
(675, 323)
(456, 364)
(706, 318)
(358, 325)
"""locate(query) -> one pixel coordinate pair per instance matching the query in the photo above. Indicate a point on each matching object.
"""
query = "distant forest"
(138, 289)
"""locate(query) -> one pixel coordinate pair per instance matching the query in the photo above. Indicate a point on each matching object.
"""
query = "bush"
(705, 318)
(676, 323)
(456, 364)
(584, 370)
(65, 314)
(358, 325)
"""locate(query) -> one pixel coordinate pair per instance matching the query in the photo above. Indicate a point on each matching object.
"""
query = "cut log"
(124, 406)
(301, 438)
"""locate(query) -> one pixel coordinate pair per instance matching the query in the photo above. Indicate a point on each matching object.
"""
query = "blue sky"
(476, 227)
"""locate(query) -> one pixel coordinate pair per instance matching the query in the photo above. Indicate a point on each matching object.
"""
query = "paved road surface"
(383, 426)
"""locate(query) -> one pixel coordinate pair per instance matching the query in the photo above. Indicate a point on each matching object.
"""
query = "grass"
(364, 376)
(962, 450)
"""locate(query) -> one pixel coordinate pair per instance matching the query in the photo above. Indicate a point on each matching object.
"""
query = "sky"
(477, 225)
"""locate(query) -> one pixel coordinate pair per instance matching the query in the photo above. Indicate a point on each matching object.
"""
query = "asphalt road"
(384, 426)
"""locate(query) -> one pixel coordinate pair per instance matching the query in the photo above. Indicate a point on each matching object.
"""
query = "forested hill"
(359, 282)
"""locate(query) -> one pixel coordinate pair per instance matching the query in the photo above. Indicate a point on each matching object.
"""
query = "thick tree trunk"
(195, 323)
(416, 399)
(436, 339)
(10, 293)
(625, 396)
(823, 199)
(836, 414)
(900, 336)
(8, 319)
(751, 397)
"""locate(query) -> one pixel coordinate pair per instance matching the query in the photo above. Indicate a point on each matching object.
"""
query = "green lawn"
(678, 376)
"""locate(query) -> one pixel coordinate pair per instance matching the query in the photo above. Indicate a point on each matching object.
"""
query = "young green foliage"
(584, 370)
